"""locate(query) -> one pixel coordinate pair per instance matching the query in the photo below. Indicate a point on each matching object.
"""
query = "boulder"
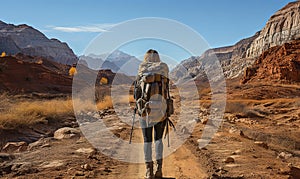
(229, 160)
(86, 167)
(66, 133)
(42, 142)
(284, 155)
(15, 147)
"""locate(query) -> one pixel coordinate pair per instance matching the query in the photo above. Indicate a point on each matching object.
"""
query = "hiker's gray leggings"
(148, 139)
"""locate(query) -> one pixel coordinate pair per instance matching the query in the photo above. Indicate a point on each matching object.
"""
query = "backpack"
(151, 92)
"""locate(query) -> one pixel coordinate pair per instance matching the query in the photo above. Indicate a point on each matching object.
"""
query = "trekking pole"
(133, 120)
(134, 111)
(168, 139)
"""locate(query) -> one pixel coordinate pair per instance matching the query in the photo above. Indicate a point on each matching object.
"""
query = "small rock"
(53, 164)
(15, 147)
(221, 170)
(89, 151)
(66, 133)
(284, 155)
(261, 144)
(229, 160)
(237, 152)
(86, 167)
(231, 118)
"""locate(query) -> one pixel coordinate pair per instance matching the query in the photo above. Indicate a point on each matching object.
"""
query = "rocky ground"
(259, 138)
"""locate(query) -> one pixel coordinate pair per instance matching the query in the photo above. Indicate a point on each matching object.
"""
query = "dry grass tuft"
(105, 103)
(31, 112)
(108, 101)
(15, 113)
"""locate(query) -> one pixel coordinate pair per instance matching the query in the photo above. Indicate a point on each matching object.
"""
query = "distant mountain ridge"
(29, 41)
(282, 27)
(117, 61)
(232, 58)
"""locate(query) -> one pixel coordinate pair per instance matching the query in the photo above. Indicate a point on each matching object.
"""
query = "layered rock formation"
(282, 27)
(232, 58)
(27, 40)
(280, 63)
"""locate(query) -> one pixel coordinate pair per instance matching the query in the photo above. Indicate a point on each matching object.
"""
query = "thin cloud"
(89, 28)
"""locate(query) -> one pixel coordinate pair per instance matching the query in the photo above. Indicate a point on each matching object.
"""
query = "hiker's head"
(151, 56)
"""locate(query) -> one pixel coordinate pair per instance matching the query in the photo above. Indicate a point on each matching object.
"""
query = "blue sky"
(77, 22)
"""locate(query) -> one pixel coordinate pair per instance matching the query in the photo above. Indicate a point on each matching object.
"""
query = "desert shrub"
(72, 71)
(31, 112)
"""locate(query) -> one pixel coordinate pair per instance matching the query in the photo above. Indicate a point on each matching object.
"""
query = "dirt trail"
(182, 164)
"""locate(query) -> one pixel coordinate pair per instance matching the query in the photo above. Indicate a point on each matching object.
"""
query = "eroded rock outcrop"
(29, 41)
(232, 58)
(280, 63)
(282, 27)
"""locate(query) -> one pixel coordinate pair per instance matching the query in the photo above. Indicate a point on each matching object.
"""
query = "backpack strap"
(168, 89)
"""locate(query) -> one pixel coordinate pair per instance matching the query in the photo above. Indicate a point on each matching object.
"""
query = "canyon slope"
(282, 27)
(29, 41)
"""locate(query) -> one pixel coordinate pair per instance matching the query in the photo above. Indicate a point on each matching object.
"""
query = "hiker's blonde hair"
(151, 56)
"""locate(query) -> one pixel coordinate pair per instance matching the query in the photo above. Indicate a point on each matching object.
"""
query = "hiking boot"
(149, 170)
(158, 173)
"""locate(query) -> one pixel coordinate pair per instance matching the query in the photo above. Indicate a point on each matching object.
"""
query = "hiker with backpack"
(154, 106)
